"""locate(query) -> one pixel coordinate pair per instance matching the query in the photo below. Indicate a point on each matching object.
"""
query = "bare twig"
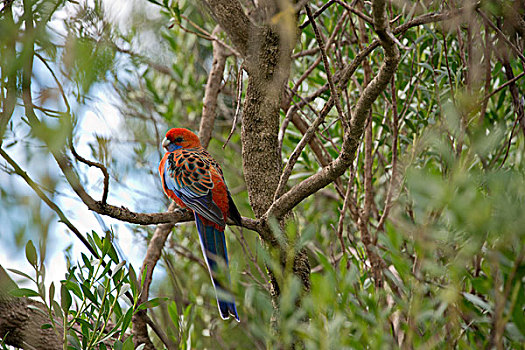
(355, 11)
(238, 108)
(393, 177)
(488, 72)
(48, 201)
(211, 92)
(212, 36)
(509, 143)
(153, 253)
(9, 102)
(333, 90)
(95, 164)
(499, 88)
(317, 13)
(340, 224)
(517, 99)
(295, 156)
(60, 88)
(351, 137)
(501, 35)
(449, 74)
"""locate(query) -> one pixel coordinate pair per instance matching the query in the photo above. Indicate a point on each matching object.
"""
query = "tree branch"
(231, 17)
(95, 164)
(9, 103)
(351, 137)
(211, 92)
(333, 90)
(153, 253)
(48, 201)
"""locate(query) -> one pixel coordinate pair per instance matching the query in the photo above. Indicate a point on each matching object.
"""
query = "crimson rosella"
(194, 180)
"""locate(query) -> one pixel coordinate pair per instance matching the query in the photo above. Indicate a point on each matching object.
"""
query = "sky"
(94, 120)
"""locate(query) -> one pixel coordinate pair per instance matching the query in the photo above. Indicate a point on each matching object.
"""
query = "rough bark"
(231, 17)
(260, 126)
(20, 325)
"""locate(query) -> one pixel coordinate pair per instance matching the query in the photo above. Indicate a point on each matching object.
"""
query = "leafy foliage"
(440, 178)
(90, 309)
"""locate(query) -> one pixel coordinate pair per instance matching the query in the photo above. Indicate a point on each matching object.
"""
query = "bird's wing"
(189, 176)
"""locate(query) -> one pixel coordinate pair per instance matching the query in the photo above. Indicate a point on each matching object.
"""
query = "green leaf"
(22, 274)
(87, 293)
(117, 345)
(37, 309)
(128, 344)
(98, 241)
(126, 320)
(113, 254)
(73, 340)
(151, 303)
(176, 10)
(57, 309)
(31, 255)
(65, 298)
(125, 287)
(143, 278)
(86, 261)
(51, 292)
(23, 292)
(476, 300)
(46, 326)
(106, 243)
(118, 267)
(133, 281)
(155, 2)
(105, 271)
(73, 287)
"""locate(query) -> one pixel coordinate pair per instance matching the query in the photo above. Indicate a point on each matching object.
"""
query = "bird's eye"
(178, 139)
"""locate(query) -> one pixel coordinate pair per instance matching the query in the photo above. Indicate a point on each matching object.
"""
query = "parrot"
(194, 180)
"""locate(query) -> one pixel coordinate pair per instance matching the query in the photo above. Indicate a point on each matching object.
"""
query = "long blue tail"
(213, 244)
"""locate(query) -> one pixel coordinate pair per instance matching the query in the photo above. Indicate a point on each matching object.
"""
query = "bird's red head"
(178, 138)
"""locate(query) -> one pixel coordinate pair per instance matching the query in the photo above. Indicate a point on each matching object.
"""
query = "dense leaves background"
(436, 191)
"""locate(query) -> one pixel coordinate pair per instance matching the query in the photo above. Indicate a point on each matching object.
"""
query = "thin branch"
(238, 102)
(449, 74)
(488, 76)
(333, 90)
(8, 104)
(352, 136)
(211, 92)
(498, 89)
(153, 254)
(393, 176)
(517, 99)
(307, 137)
(95, 164)
(509, 143)
(317, 13)
(340, 225)
(59, 85)
(356, 12)
(501, 35)
(212, 36)
(48, 201)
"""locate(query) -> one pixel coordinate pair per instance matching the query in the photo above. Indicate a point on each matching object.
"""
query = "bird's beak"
(165, 143)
